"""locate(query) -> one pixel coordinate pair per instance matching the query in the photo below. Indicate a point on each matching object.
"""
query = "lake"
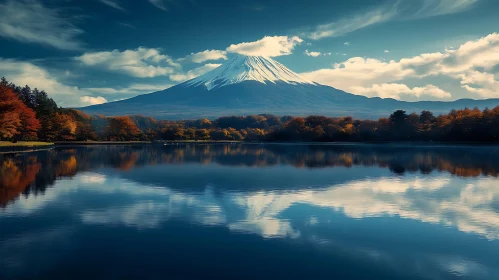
(250, 211)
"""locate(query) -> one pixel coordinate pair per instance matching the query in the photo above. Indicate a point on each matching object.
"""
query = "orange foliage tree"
(65, 125)
(122, 129)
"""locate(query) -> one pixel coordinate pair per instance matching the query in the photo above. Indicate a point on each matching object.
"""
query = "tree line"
(31, 174)
(29, 114)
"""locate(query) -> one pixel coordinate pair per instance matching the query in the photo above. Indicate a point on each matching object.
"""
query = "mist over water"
(250, 211)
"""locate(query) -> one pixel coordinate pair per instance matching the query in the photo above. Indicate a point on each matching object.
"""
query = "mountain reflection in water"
(426, 212)
(34, 172)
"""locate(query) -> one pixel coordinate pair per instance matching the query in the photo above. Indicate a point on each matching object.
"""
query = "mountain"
(248, 68)
(256, 85)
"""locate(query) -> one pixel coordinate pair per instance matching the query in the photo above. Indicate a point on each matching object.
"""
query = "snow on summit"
(248, 68)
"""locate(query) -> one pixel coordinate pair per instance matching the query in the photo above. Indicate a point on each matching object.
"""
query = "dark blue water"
(250, 212)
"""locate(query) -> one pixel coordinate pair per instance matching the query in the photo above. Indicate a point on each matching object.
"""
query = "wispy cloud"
(429, 8)
(352, 23)
(395, 10)
(113, 4)
(128, 91)
(127, 25)
(194, 72)
(30, 21)
(160, 4)
(257, 8)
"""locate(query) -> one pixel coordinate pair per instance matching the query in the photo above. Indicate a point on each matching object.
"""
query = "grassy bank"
(66, 143)
(28, 144)
(23, 146)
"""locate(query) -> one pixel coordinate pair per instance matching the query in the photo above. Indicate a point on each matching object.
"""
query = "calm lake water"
(250, 212)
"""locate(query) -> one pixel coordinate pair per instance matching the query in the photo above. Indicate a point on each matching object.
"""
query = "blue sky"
(93, 51)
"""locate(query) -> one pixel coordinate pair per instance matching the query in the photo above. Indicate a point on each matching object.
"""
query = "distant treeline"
(27, 114)
(31, 174)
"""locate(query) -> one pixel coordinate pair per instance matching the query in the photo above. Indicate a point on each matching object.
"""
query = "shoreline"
(209, 142)
(25, 147)
(42, 146)
(90, 143)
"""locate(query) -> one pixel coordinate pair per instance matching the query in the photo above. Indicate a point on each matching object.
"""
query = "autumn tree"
(122, 129)
(204, 123)
(29, 124)
(202, 134)
(65, 125)
(254, 134)
(219, 134)
(16, 119)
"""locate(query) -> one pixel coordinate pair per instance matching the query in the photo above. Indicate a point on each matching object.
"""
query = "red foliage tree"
(16, 119)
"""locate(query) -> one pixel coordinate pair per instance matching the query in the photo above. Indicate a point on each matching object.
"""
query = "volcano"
(260, 85)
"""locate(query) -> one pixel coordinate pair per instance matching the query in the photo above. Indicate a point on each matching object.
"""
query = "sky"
(85, 52)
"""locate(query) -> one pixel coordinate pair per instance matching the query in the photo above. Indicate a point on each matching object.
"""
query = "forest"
(30, 114)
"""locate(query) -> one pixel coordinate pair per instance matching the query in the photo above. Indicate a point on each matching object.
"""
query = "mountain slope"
(256, 85)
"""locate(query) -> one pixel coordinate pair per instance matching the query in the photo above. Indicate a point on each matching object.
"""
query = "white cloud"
(194, 72)
(484, 84)
(346, 44)
(312, 53)
(159, 4)
(358, 71)
(90, 100)
(141, 62)
(482, 53)
(113, 4)
(25, 73)
(29, 21)
(471, 64)
(267, 46)
(387, 51)
(207, 55)
(399, 91)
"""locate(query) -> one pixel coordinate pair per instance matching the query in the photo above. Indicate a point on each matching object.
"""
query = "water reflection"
(26, 173)
(429, 213)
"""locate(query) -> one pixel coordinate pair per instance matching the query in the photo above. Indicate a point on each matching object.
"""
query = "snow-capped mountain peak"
(248, 68)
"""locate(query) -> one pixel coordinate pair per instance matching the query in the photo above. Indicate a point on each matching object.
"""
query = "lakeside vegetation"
(30, 115)
(24, 144)
(31, 174)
